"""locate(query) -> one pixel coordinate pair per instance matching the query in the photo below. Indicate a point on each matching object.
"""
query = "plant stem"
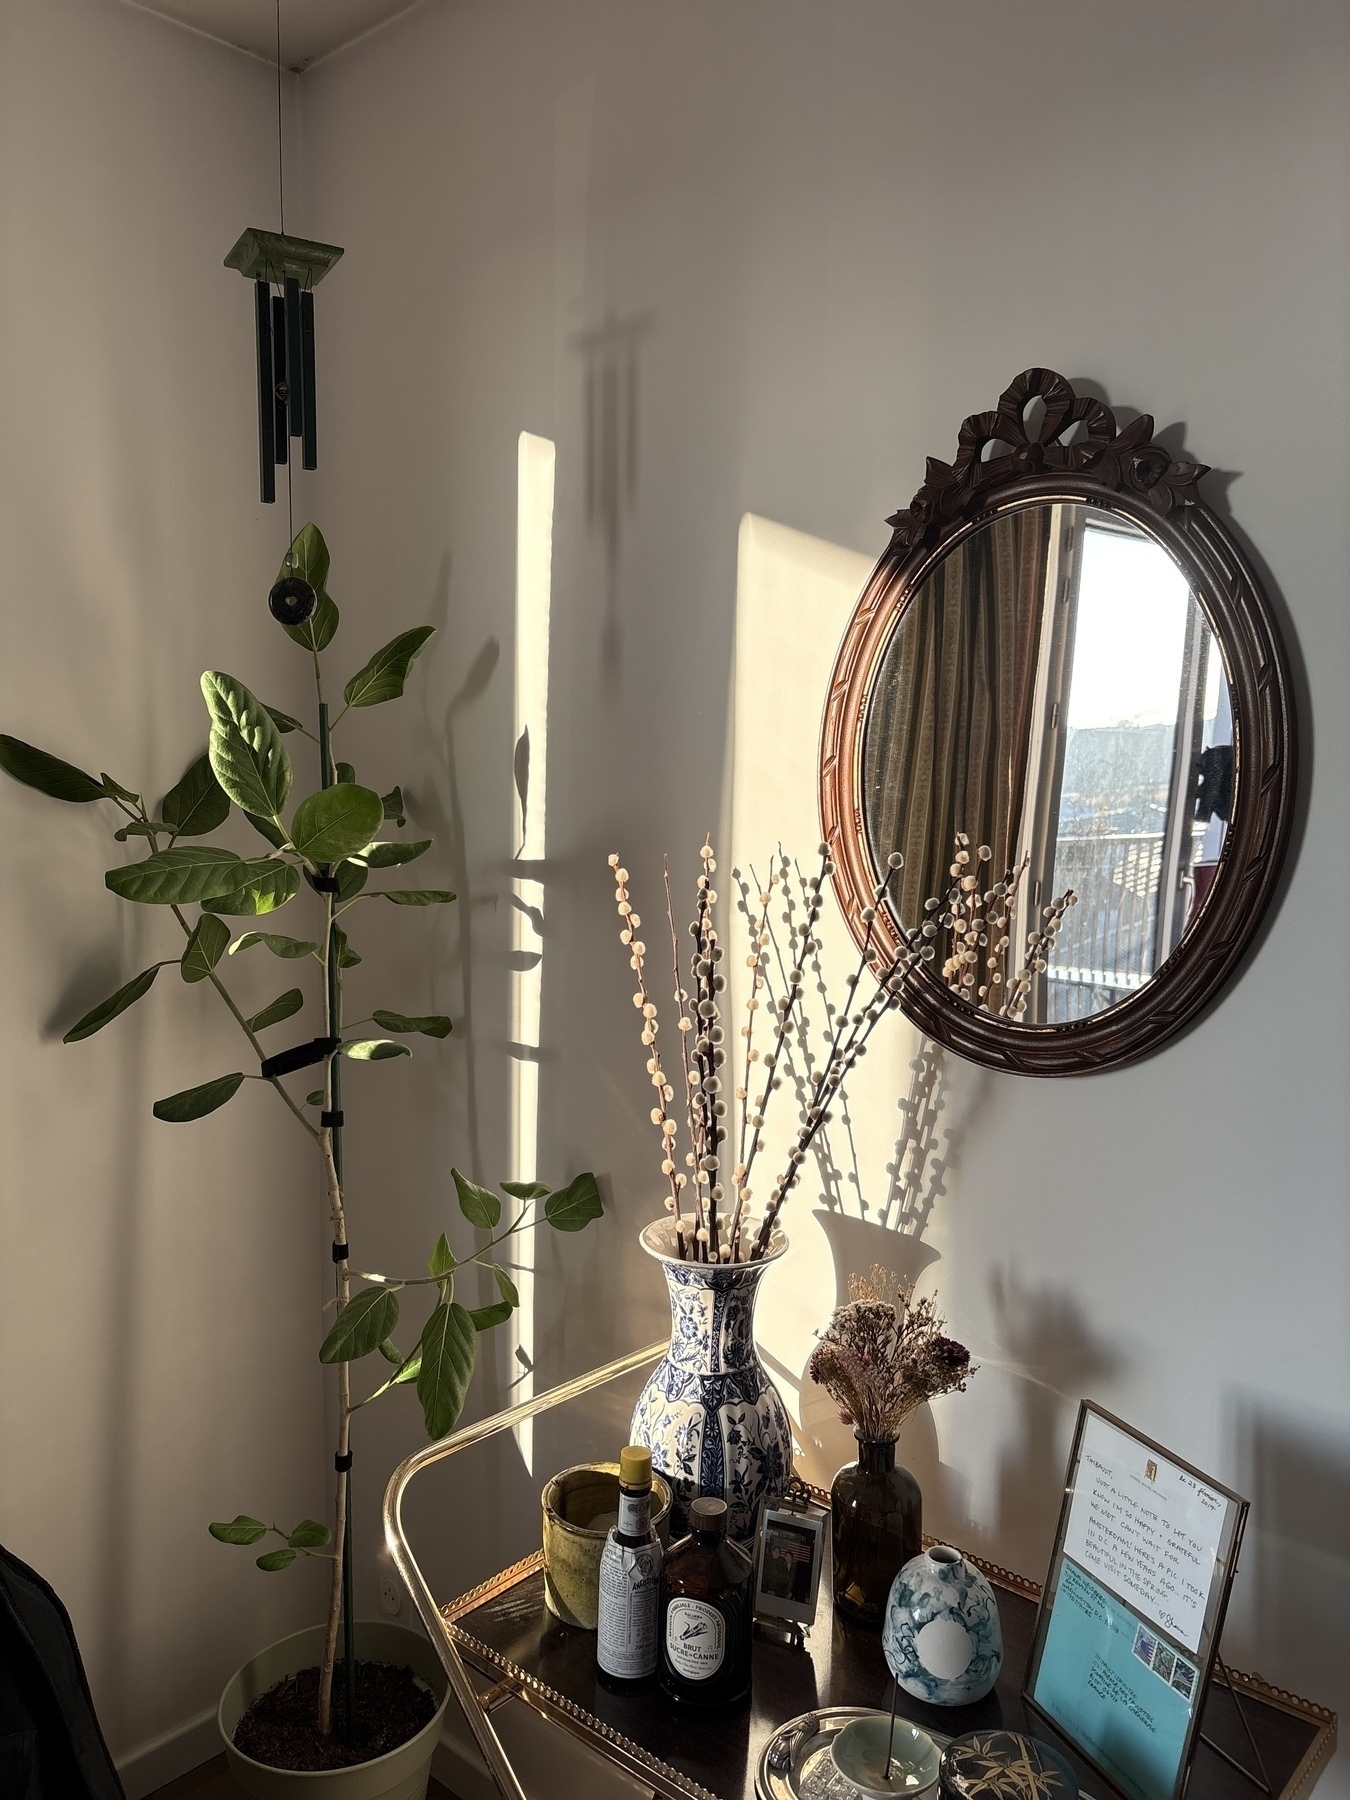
(340, 1602)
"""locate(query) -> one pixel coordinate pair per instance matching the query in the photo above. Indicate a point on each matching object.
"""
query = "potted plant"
(330, 848)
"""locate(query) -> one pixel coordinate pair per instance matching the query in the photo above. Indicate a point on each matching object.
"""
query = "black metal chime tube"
(309, 408)
(295, 381)
(279, 429)
(267, 480)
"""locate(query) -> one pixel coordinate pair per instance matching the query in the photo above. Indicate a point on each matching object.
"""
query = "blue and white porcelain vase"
(714, 1421)
(942, 1638)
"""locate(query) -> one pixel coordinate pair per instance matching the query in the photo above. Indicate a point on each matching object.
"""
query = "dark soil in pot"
(280, 1727)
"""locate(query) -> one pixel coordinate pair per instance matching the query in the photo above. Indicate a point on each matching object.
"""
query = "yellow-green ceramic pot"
(579, 1506)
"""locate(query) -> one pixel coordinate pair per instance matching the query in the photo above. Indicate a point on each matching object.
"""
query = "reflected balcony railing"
(1105, 948)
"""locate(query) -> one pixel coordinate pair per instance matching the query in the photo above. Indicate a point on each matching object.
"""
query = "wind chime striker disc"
(292, 600)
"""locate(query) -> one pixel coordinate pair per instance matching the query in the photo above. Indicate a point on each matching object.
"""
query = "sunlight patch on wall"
(534, 589)
(794, 596)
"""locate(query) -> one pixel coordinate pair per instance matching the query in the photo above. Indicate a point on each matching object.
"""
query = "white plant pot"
(402, 1774)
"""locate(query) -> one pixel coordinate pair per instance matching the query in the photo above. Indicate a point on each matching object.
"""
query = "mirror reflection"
(1053, 699)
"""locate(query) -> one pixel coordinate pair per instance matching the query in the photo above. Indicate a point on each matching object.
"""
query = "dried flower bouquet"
(883, 1354)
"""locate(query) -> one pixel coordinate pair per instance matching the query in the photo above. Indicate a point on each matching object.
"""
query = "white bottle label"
(696, 1638)
(628, 1640)
(635, 1514)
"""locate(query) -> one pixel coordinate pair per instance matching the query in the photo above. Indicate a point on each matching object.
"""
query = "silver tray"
(796, 1763)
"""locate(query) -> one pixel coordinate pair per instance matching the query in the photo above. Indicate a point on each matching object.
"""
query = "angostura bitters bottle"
(627, 1646)
(707, 1612)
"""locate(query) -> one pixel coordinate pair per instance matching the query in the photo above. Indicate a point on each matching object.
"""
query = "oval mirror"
(1057, 754)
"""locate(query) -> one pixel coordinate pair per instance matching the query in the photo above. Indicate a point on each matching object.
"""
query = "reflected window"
(1054, 692)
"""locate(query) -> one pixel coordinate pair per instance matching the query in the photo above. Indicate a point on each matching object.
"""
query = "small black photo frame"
(1129, 1623)
(789, 1552)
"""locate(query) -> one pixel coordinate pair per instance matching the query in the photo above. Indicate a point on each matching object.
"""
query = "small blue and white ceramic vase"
(714, 1421)
(942, 1638)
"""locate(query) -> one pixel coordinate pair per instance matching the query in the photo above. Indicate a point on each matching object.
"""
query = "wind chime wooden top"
(285, 329)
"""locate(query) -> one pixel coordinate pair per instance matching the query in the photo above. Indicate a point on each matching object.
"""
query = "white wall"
(783, 246)
(828, 231)
(162, 1282)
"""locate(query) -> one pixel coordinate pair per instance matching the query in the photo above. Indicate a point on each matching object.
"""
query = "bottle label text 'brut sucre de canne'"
(696, 1638)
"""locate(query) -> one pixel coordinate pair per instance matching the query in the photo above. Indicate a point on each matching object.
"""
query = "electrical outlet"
(391, 1594)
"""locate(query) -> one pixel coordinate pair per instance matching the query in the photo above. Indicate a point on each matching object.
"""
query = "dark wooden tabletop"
(506, 1632)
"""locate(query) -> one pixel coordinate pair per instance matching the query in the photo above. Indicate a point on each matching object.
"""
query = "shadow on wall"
(1052, 1359)
(1291, 1600)
(891, 1238)
(610, 389)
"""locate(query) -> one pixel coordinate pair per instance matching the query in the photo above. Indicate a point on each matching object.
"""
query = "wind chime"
(285, 272)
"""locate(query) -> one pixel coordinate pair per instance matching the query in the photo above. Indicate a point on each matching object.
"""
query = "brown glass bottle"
(707, 1612)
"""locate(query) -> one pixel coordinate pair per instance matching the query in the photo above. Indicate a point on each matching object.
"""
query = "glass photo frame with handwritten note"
(1134, 1603)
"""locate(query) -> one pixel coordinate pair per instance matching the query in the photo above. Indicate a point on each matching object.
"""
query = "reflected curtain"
(949, 724)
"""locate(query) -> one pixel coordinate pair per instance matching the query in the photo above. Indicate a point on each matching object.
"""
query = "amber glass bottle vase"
(707, 1613)
(876, 1526)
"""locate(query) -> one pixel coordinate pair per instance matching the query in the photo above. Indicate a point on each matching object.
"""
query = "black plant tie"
(343, 1463)
(340, 1252)
(286, 1062)
(325, 884)
(331, 1118)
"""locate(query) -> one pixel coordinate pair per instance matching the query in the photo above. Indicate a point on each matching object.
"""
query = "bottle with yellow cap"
(627, 1648)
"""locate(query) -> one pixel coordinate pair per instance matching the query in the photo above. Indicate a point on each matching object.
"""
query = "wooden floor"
(213, 1781)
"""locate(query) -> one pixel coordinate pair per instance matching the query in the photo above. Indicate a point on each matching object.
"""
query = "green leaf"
(393, 807)
(336, 821)
(287, 947)
(267, 828)
(375, 1050)
(48, 774)
(485, 1317)
(411, 1369)
(572, 1208)
(505, 1286)
(309, 1535)
(390, 1351)
(430, 1025)
(283, 1007)
(361, 1326)
(108, 1009)
(524, 1190)
(246, 751)
(316, 1098)
(351, 878)
(420, 897)
(196, 1102)
(343, 772)
(308, 558)
(276, 1560)
(389, 856)
(283, 721)
(114, 789)
(449, 1351)
(240, 1530)
(479, 1206)
(197, 804)
(347, 957)
(442, 1259)
(205, 948)
(140, 828)
(267, 885)
(384, 675)
(172, 877)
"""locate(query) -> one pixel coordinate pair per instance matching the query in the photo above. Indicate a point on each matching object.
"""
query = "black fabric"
(51, 1747)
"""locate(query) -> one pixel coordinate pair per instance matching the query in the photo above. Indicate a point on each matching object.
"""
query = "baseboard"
(165, 1758)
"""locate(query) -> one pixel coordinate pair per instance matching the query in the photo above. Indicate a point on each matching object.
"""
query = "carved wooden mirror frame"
(1004, 462)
